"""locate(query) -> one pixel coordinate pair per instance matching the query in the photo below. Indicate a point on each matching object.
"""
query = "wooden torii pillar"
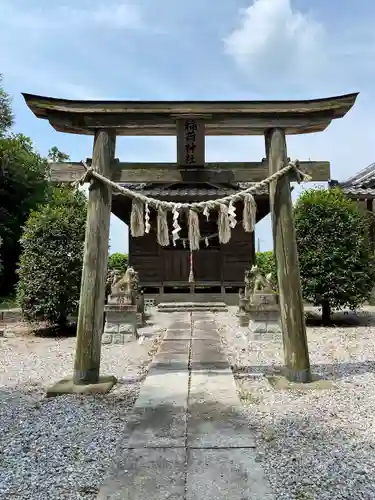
(296, 355)
(105, 120)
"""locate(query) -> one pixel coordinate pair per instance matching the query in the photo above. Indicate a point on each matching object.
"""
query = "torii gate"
(107, 119)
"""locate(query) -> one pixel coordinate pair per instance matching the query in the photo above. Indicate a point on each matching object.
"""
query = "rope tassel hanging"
(194, 231)
(147, 219)
(224, 224)
(191, 273)
(137, 225)
(176, 226)
(249, 213)
(162, 227)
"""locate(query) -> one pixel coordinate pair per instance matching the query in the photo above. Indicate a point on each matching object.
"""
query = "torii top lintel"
(220, 117)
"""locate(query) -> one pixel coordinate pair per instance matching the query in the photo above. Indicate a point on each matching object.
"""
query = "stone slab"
(227, 474)
(172, 347)
(126, 328)
(118, 309)
(172, 354)
(145, 474)
(111, 327)
(174, 334)
(67, 386)
(159, 414)
(117, 338)
(215, 415)
(208, 333)
(162, 389)
(163, 426)
(181, 325)
(207, 354)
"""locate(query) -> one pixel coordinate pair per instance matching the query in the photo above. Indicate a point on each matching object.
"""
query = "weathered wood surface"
(91, 306)
(223, 172)
(190, 142)
(285, 248)
(159, 118)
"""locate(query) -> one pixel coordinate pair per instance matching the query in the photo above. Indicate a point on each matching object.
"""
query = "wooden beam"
(285, 247)
(159, 117)
(171, 172)
(91, 305)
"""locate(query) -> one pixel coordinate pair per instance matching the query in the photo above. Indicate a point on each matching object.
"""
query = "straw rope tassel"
(249, 213)
(137, 223)
(194, 231)
(224, 224)
(162, 227)
(191, 273)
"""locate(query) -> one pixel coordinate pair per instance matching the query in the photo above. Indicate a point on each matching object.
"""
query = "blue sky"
(201, 49)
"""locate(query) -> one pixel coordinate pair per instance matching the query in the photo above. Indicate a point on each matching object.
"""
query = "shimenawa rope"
(140, 215)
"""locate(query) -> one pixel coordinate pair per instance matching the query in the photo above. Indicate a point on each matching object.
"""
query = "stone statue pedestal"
(264, 313)
(120, 323)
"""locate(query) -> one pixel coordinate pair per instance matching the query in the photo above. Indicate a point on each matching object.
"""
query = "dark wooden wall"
(145, 257)
(237, 255)
(224, 264)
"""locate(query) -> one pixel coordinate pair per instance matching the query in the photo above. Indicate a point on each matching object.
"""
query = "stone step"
(192, 306)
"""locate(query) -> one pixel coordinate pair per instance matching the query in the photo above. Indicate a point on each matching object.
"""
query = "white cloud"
(273, 40)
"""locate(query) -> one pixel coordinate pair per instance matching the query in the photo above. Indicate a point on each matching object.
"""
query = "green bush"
(335, 253)
(118, 261)
(51, 261)
(266, 264)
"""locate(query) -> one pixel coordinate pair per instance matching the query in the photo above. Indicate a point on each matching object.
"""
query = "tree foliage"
(6, 115)
(266, 264)
(55, 155)
(23, 185)
(336, 259)
(118, 261)
(51, 260)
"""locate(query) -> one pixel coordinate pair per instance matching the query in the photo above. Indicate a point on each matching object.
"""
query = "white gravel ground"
(61, 448)
(319, 444)
(313, 445)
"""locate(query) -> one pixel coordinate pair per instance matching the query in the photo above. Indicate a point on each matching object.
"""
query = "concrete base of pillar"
(67, 386)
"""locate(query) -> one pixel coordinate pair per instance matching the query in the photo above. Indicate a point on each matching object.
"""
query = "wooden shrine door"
(176, 265)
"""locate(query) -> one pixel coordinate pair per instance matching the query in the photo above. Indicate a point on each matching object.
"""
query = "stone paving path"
(187, 437)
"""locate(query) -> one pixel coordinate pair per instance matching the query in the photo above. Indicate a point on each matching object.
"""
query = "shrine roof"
(361, 184)
(159, 117)
(190, 193)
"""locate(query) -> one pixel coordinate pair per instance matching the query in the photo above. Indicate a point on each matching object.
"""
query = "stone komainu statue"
(256, 282)
(125, 288)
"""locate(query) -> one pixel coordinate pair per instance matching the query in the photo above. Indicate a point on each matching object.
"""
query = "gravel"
(61, 448)
(315, 444)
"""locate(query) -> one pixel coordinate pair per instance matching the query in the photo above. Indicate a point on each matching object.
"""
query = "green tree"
(55, 155)
(118, 261)
(336, 259)
(51, 261)
(23, 185)
(266, 264)
(6, 115)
